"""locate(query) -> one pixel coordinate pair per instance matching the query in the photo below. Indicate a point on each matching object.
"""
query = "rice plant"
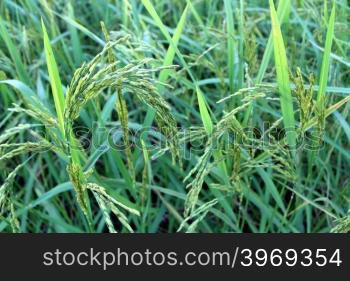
(174, 116)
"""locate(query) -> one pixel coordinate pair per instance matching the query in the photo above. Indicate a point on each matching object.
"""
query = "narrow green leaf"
(326, 56)
(195, 13)
(56, 85)
(77, 50)
(83, 29)
(169, 57)
(95, 156)
(240, 76)
(282, 11)
(283, 78)
(230, 43)
(207, 122)
(272, 188)
(324, 75)
(63, 187)
(283, 8)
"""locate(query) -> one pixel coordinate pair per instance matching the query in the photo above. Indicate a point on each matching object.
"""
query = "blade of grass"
(206, 119)
(81, 28)
(282, 9)
(323, 79)
(208, 126)
(55, 80)
(59, 100)
(77, 50)
(283, 78)
(169, 57)
(195, 14)
(241, 45)
(230, 44)
(326, 56)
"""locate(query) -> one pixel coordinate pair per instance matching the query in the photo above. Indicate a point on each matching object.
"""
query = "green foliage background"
(192, 72)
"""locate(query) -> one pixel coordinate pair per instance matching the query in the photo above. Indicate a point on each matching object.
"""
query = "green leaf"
(206, 119)
(283, 78)
(63, 187)
(230, 43)
(169, 57)
(55, 80)
(283, 8)
(326, 56)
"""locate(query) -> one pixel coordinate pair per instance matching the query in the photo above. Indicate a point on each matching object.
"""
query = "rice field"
(207, 116)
